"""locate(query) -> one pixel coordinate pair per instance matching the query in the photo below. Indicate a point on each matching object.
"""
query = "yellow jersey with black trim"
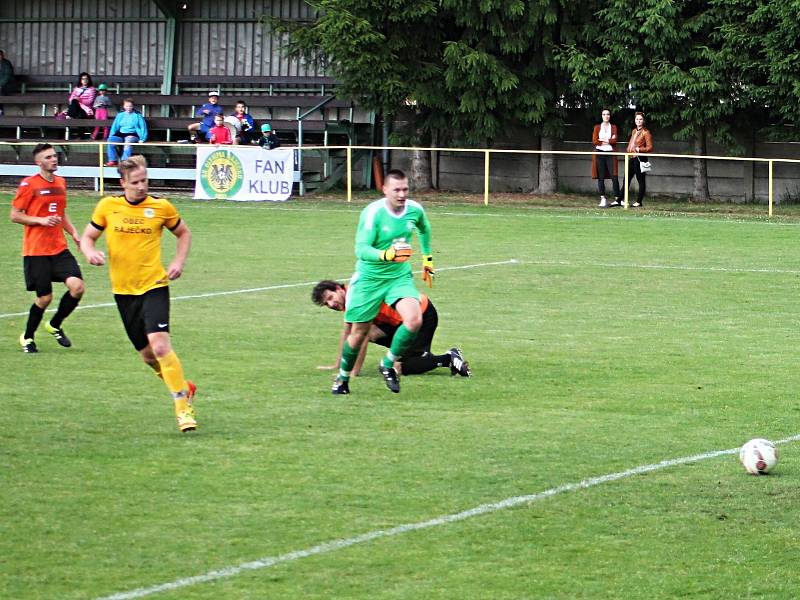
(133, 237)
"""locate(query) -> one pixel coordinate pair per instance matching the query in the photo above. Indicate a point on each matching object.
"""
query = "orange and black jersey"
(389, 316)
(37, 197)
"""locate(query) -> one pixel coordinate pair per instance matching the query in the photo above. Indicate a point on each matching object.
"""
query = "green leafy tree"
(760, 40)
(664, 58)
(473, 69)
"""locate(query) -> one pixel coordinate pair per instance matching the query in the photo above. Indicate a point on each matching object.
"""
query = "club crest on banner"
(221, 174)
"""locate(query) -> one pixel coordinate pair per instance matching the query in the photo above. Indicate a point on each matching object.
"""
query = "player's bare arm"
(184, 244)
(87, 245)
(19, 216)
(71, 229)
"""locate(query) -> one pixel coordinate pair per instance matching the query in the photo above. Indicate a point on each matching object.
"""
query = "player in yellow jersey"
(133, 224)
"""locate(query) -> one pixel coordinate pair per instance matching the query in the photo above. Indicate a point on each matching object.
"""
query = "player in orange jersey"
(40, 205)
(333, 295)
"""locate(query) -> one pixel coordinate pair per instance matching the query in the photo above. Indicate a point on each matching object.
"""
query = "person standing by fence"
(604, 164)
(641, 143)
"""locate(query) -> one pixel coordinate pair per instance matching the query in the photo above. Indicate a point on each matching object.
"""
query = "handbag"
(644, 165)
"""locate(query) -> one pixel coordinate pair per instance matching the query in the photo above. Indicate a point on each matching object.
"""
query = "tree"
(760, 42)
(472, 69)
(664, 58)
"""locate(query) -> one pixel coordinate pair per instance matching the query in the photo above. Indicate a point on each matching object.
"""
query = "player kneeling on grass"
(418, 359)
(133, 224)
(383, 275)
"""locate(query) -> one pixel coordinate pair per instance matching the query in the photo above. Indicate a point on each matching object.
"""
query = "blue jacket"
(208, 119)
(132, 122)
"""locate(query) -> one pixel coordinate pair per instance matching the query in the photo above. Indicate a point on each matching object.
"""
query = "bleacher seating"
(45, 83)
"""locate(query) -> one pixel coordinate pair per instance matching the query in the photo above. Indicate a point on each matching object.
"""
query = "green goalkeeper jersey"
(379, 228)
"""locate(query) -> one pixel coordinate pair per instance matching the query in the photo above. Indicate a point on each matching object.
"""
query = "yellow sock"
(172, 374)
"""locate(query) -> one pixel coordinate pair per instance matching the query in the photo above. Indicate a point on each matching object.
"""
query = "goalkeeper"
(418, 359)
(383, 274)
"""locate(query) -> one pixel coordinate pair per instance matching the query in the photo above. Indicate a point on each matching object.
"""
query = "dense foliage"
(475, 69)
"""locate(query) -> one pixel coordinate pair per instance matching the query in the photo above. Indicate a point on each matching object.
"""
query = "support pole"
(349, 174)
(770, 184)
(486, 177)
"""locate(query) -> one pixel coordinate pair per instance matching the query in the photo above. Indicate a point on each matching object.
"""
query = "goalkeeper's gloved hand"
(397, 252)
(427, 270)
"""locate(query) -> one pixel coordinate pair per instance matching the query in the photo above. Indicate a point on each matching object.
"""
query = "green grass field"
(612, 341)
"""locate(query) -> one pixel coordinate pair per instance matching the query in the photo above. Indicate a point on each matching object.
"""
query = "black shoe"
(390, 377)
(340, 387)
(28, 345)
(458, 366)
(59, 334)
(615, 204)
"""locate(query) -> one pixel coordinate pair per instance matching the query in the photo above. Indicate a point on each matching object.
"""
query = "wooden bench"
(231, 84)
(163, 105)
(167, 125)
(33, 83)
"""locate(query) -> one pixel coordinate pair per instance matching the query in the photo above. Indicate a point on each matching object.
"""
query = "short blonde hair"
(137, 161)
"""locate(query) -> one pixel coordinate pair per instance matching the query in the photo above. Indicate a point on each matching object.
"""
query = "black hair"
(40, 148)
(326, 285)
(87, 75)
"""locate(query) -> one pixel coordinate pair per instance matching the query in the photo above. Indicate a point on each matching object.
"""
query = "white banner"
(243, 173)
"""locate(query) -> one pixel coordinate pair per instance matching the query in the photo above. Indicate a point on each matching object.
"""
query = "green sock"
(349, 356)
(401, 342)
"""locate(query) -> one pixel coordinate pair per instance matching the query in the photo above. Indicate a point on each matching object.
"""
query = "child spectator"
(219, 134)
(246, 132)
(208, 111)
(268, 139)
(129, 126)
(101, 105)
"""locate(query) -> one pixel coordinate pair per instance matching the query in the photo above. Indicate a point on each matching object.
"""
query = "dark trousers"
(75, 111)
(605, 170)
(641, 178)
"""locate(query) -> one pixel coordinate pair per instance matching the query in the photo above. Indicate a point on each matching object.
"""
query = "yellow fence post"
(627, 181)
(101, 163)
(770, 188)
(349, 174)
(486, 178)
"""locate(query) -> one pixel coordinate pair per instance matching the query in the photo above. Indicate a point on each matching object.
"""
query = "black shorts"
(422, 344)
(143, 314)
(42, 271)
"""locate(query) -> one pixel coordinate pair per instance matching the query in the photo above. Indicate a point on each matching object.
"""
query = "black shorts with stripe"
(42, 271)
(143, 314)
(424, 339)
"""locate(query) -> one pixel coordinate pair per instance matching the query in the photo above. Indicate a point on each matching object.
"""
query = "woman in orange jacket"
(641, 143)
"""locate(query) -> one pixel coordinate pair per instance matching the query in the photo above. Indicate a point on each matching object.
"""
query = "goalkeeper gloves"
(397, 252)
(427, 270)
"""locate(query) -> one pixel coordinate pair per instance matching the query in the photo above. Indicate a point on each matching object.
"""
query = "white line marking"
(557, 263)
(267, 288)
(331, 546)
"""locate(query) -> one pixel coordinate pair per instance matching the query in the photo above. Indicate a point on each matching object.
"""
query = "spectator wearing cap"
(101, 105)
(268, 139)
(207, 112)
